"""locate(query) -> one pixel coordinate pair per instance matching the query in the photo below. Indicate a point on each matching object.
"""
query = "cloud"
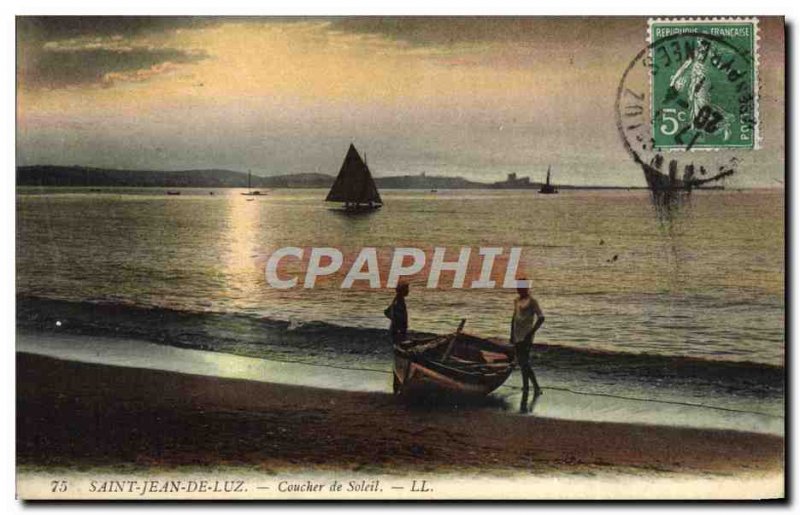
(509, 43)
(432, 35)
(32, 29)
(67, 52)
(63, 52)
(60, 68)
(139, 75)
(546, 32)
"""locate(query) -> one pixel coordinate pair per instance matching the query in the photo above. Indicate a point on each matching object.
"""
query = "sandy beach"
(82, 415)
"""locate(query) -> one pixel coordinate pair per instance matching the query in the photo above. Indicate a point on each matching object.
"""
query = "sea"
(681, 305)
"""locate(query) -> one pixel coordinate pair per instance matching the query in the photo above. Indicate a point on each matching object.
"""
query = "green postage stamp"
(704, 83)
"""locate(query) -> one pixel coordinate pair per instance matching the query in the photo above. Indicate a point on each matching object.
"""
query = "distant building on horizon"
(514, 182)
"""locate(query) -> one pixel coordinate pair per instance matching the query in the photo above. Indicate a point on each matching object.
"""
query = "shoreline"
(38, 314)
(560, 401)
(149, 418)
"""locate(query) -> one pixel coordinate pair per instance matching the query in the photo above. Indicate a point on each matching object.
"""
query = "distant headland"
(81, 176)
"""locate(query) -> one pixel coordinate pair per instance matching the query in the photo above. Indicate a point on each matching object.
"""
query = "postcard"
(400, 258)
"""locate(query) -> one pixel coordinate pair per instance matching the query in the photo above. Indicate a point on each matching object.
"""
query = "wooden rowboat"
(457, 363)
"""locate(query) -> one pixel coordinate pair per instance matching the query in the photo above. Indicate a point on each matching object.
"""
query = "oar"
(453, 340)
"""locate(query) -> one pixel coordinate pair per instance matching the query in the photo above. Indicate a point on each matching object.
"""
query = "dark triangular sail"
(354, 183)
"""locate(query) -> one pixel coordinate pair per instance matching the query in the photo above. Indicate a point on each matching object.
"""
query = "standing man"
(398, 314)
(527, 319)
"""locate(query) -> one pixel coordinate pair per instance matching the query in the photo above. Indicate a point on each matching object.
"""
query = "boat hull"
(361, 208)
(417, 378)
(418, 374)
(357, 209)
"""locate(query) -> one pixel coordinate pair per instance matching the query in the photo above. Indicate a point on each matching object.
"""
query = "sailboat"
(354, 185)
(547, 188)
(249, 188)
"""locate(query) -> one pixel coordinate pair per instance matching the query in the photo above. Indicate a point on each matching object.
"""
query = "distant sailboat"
(354, 185)
(547, 188)
(249, 188)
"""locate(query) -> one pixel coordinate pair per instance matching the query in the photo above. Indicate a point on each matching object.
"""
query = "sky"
(474, 97)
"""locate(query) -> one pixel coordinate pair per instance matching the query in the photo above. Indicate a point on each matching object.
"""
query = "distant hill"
(76, 176)
(85, 176)
(213, 178)
(426, 182)
(298, 180)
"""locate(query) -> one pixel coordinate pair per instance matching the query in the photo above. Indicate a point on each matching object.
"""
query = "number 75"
(58, 486)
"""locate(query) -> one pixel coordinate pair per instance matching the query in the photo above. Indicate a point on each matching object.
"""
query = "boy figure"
(398, 314)
(527, 319)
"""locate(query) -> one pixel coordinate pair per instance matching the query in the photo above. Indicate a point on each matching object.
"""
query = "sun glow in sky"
(451, 96)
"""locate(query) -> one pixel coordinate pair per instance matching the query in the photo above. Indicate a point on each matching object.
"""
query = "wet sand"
(82, 415)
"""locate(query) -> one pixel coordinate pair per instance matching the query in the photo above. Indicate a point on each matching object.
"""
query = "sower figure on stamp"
(398, 314)
(527, 319)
